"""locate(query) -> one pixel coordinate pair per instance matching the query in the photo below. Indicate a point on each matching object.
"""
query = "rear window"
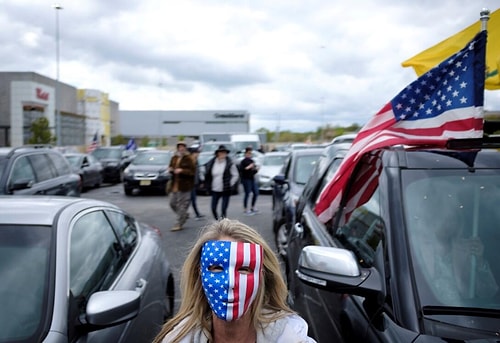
(24, 270)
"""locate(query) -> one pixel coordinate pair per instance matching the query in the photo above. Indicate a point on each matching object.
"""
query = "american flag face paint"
(230, 275)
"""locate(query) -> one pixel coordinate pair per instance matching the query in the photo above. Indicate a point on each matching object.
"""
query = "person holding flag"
(444, 103)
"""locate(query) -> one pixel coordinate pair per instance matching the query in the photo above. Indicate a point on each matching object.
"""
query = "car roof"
(311, 151)
(37, 209)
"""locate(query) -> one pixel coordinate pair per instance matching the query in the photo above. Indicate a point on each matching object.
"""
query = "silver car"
(79, 270)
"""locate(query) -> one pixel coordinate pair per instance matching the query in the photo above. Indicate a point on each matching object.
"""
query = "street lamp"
(57, 7)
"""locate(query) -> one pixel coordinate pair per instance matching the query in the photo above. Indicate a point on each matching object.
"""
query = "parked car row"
(38, 170)
(415, 260)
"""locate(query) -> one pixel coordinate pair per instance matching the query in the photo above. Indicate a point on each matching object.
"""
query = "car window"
(94, 256)
(60, 164)
(42, 166)
(92, 159)
(315, 193)
(21, 170)
(453, 235)
(24, 269)
(303, 168)
(363, 231)
(125, 227)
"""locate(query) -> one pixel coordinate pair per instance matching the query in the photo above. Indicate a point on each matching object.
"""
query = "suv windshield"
(107, 153)
(452, 222)
(152, 158)
(24, 269)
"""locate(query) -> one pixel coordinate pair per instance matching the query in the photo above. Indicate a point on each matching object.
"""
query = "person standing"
(233, 291)
(182, 169)
(248, 169)
(221, 176)
(195, 152)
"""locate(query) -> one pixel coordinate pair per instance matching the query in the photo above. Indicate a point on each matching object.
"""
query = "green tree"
(40, 132)
(144, 141)
(118, 140)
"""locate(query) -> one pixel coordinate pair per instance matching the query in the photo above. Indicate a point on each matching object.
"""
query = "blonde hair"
(194, 307)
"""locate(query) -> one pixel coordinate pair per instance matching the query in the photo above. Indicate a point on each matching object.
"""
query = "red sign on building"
(41, 94)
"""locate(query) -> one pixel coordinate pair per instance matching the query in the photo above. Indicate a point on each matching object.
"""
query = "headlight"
(127, 172)
(163, 172)
(112, 164)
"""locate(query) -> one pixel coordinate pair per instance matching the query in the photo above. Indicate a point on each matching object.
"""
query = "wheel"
(170, 298)
(128, 191)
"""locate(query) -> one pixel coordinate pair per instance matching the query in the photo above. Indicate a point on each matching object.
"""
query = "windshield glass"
(304, 165)
(24, 270)
(152, 158)
(452, 220)
(107, 153)
(73, 160)
(276, 160)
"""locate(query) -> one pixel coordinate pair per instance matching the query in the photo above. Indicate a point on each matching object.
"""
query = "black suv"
(416, 262)
(36, 169)
(114, 160)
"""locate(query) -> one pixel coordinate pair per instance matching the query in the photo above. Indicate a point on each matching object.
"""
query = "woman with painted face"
(233, 291)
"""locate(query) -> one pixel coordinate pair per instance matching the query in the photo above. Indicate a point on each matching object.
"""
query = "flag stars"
(463, 100)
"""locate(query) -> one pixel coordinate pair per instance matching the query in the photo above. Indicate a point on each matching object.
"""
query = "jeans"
(250, 186)
(216, 196)
(193, 202)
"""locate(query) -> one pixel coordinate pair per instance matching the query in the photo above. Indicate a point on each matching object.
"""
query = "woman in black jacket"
(220, 177)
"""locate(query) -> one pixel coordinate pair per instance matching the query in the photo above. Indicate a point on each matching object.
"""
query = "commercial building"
(27, 96)
(159, 125)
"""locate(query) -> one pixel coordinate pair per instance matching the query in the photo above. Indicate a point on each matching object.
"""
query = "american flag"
(230, 298)
(94, 144)
(444, 103)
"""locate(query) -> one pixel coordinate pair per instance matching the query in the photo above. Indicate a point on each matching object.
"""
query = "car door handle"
(298, 230)
(140, 285)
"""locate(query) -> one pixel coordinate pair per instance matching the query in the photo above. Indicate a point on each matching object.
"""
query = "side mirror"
(337, 270)
(279, 179)
(109, 308)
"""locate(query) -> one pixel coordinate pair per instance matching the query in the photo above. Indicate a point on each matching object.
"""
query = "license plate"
(145, 182)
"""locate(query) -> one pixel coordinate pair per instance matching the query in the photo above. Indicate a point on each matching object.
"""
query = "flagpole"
(484, 16)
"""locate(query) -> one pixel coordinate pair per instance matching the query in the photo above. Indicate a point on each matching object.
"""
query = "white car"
(271, 164)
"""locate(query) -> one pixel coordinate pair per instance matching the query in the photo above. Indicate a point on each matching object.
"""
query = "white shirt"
(289, 329)
(218, 174)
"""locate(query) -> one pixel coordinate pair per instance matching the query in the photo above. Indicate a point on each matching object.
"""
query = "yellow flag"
(434, 55)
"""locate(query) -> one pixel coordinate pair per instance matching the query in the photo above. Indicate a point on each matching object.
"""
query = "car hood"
(147, 168)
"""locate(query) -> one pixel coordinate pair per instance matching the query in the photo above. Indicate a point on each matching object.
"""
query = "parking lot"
(155, 210)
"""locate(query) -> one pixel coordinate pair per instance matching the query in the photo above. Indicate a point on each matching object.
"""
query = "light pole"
(57, 7)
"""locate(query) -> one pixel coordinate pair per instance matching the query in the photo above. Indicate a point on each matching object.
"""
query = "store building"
(26, 96)
(159, 125)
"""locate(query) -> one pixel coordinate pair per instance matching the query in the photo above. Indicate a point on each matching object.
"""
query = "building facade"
(159, 125)
(27, 96)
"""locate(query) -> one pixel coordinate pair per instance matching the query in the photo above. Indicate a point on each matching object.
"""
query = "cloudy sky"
(296, 65)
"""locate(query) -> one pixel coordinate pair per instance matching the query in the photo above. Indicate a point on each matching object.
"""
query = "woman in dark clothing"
(220, 177)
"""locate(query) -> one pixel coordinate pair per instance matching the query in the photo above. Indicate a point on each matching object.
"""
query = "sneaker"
(200, 217)
(254, 210)
(249, 213)
(176, 228)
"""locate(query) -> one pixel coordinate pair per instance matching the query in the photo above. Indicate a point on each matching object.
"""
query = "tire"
(128, 191)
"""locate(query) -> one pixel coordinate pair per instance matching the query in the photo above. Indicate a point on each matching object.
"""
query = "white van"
(243, 140)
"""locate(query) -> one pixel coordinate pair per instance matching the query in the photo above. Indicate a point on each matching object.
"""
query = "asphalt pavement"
(155, 210)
